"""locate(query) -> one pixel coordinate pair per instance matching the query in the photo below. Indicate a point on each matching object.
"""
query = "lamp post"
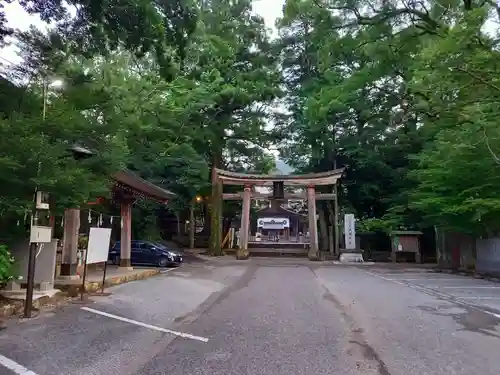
(37, 202)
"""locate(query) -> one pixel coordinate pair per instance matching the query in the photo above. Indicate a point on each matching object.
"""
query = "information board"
(98, 245)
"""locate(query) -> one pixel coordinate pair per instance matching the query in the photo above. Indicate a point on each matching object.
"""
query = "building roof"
(321, 178)
(278, 211)
(128, 180)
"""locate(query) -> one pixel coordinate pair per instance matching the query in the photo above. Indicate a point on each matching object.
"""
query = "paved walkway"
(462, 290)
(268, 317)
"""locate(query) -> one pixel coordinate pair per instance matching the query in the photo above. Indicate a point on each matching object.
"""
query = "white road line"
(14, 366)
(469, 287)
(486, 298)
(385, 278)
(155, 328)
(435, 279)
(435, 293)
(167, 270)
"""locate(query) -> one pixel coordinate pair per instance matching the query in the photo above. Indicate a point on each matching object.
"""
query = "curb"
(94, 286)
(13, 307)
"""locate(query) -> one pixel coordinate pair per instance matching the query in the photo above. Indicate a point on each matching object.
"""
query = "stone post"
(242, 252)
(313, 224)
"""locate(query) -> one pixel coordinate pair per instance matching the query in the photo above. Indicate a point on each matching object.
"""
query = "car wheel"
(115, 260)
(163, 262)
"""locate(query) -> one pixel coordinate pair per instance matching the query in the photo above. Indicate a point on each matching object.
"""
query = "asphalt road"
(269, 316)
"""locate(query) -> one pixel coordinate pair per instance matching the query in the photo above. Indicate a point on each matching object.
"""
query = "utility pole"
(30, 285)
(33, 248)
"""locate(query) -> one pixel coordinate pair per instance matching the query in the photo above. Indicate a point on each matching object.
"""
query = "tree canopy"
(116, 100)
(405, 94)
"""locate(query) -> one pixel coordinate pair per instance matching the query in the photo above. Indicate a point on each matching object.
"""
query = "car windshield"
(161, 246)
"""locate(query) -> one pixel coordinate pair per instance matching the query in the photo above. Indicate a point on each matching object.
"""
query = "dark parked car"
(146, 252)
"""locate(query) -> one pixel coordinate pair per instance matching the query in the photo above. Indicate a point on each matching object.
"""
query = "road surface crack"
(217, 297)
(367, 359)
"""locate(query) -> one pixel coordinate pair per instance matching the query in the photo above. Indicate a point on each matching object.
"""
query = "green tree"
(374, 84)
(117, 106)
(457, 173)
(162, 27)
(349, 105)
(232, 61)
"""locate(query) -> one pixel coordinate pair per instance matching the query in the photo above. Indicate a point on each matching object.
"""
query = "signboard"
(273, 223)
(98, 246)
(39, 234)
(350, 231)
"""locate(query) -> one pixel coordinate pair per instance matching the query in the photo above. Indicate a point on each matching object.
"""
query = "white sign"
(98, 246)
(40, 234)
(273, 223)
(350, 231)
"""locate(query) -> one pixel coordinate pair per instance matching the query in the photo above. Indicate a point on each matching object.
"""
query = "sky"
(17, 18)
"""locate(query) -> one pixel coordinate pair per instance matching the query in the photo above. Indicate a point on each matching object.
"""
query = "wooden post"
(126, 233)
(70, 243)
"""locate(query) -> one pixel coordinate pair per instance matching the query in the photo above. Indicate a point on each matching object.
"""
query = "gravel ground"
(270, 316)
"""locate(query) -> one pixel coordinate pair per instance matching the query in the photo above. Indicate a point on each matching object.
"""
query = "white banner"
(350, 231)
(98, 246)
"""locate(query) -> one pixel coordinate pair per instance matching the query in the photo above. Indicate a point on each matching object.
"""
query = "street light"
(56, 84)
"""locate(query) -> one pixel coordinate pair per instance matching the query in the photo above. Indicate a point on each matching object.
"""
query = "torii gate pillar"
(313, 223)
(242, 252)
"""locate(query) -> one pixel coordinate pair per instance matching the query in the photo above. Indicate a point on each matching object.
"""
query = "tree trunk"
(334, 225)
(179, 232)
(215, 210)
(331, 214)
(323, 228)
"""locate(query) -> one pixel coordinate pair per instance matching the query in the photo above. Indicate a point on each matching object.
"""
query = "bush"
(6, 265)
(83, 242)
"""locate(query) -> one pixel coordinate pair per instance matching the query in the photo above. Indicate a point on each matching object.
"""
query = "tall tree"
(232, 60)
(350, 104)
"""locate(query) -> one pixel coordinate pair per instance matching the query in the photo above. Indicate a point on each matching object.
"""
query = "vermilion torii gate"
(310, 181)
